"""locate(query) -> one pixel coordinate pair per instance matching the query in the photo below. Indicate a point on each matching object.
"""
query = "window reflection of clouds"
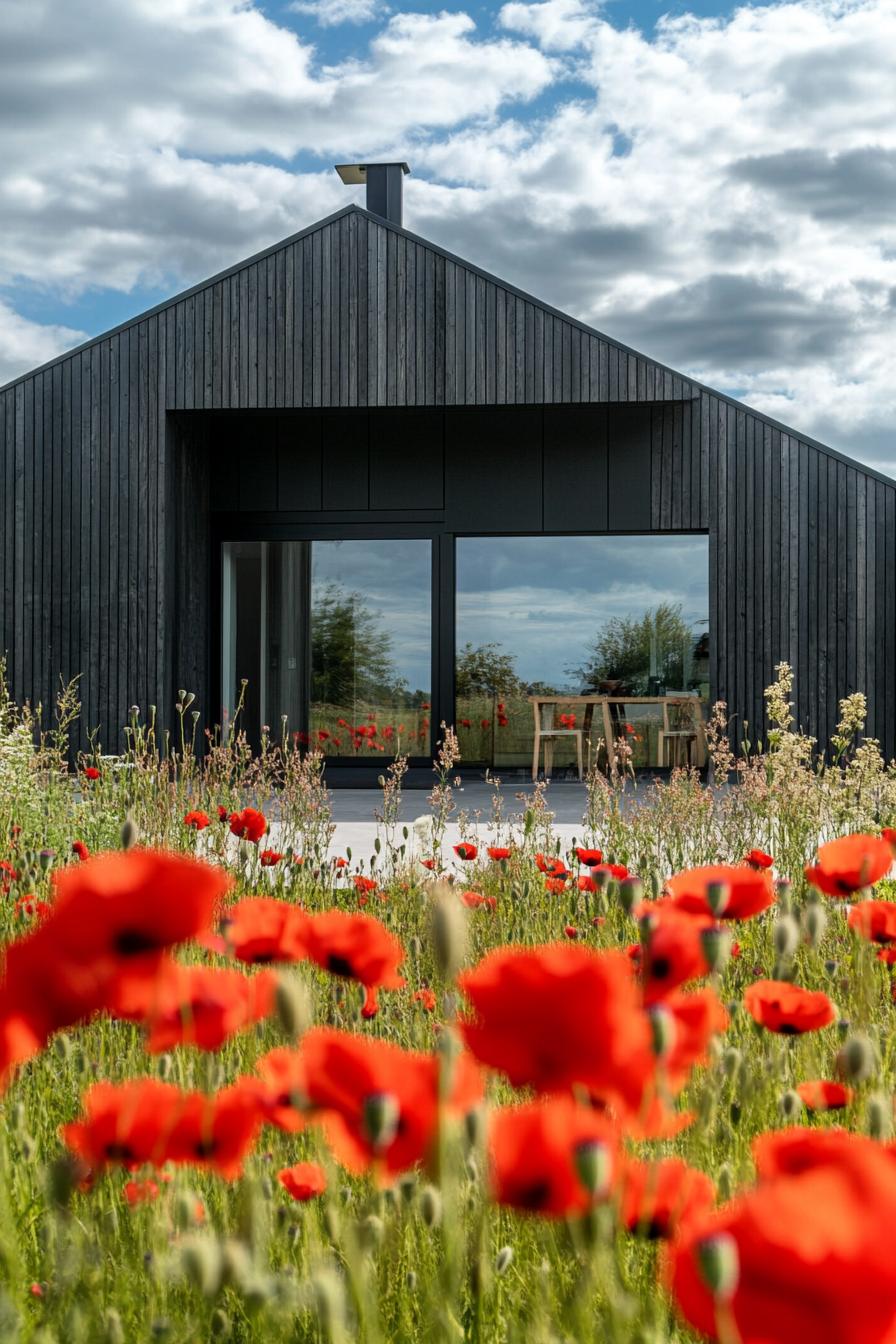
(394, 580)
(543, 599)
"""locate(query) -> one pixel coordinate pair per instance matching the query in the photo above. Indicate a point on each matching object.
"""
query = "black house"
(383, 489)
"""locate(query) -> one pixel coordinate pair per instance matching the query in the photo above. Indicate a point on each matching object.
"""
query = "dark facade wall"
(105, 488)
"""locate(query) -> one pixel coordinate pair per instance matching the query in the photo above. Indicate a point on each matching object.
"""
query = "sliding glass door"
(335, 637)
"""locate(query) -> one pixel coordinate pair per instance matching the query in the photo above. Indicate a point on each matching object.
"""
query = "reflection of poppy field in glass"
(479, 1083)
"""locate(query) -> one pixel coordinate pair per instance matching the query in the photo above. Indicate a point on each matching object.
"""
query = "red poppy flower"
(426, 998)
(216, 1133)
(270, 858)
(261, 929)
(363, 884)
(465, 723)
(616, 870)
(586, 883)
(29, 907)
(757, 858)
(485, 723)
(198, 820)
(820, 1095)
(140, 1192)
(111, 923)
(466, 851)
(750, 891)
(306, 1180)
(379, 1103)
(223, 814)
(785, 1008)
(503, 721)
(250, 824)
(358, 947)
(473, 900)
(589, 857)
(658, 1197)
(850, 863)
(552, 1157)
(683, 1025)
(340, 862)
(571, 931)
(280, 1089)
(674, 950)
(91, 772)
(555, 885)
(429, 863)
(554, 867)
(498, 854)
(80, 850)
(792, 1276)
(551, 1017)
(126, 1123)
(199, 1005)
(874, 921)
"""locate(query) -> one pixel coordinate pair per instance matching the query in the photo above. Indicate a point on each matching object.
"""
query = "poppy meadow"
(638, 1086)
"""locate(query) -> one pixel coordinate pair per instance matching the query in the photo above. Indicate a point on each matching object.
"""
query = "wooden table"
(590, 703)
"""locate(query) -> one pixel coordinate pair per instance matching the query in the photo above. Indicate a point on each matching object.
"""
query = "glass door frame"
(232, 528)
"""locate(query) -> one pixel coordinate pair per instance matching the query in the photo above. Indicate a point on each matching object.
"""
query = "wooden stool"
(679, 730)
(544, 729)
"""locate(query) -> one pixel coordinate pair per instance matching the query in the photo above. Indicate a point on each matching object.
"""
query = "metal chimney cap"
(355, 174)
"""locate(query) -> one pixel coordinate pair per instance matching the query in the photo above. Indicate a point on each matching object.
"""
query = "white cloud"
(721, 194)
(328, 13)
(25, 344)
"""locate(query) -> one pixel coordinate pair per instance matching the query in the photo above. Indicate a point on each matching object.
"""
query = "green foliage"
(485, 670)
(628, 647)
(351, 652)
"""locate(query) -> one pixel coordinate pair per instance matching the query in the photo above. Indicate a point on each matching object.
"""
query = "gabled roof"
(460, 335)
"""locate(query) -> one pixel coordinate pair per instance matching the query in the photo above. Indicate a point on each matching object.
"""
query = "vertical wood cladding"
(104, 563)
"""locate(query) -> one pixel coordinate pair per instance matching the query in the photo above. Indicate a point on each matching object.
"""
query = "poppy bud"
(292, 1005)
(329, 1299)
(380, 1119)
(63, 1176)
(220, 1324)
(655, 887)
(410, 1280)
(407, 1185)
(719, 1264)
(662, 1026)
(594, 1167)
(879, 1116)
(372, 1230)
(473, 1126)
(815, 923)
(166, 1064)
(129, 833)
(732, 1060)
(45, 858)
(183, 1210)
(113, 1330)
(784, 893)
(724, 1182)
(201, 1262)
(448, 932)
(430, 1206)
(715, 943)
(791, 1105)
(856, 1061)
(631, 891)
(503, 1260)
(718, 894)
(786, 936)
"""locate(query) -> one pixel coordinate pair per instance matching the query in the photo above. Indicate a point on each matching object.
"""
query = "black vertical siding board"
(733, 584)
(418, 301)
(8, 498)
(496, 345)
(680, 479)
(317, 317)
(889, 623)
(382, 322)
(771, 526)
(548, 359)
(323, 312)
(469, 336)
(517, 318)
(719, 424)
(360, 334)
(122, 487)
(69, 554)
(21, 496)
(390, 397)
(398, 325)
(538, 355)
(804, 618)
(450, 362)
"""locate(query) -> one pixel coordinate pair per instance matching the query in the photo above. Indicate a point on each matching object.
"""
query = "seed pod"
(732, 1060)
(371, 1232)
(719, 1265)
(725, 1182)
(786, 936)
(430, 1206)
(293, 1005)
(857, 1061)
(631, 891)
(815, 923)
(201, 1263)
(129, 833)
(220, 1324)
(718, 894)
(594, 1167)
(113, 1330)
(716, 945)
(879, 1116)
(447, 931)
(791, 1105)
(503, 1260)
(410, 1280)
(662, 1025)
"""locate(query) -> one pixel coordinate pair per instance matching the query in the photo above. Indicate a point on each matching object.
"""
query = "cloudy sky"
(714, 186)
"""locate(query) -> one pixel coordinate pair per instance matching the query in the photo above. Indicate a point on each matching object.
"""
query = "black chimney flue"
(383, 182)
